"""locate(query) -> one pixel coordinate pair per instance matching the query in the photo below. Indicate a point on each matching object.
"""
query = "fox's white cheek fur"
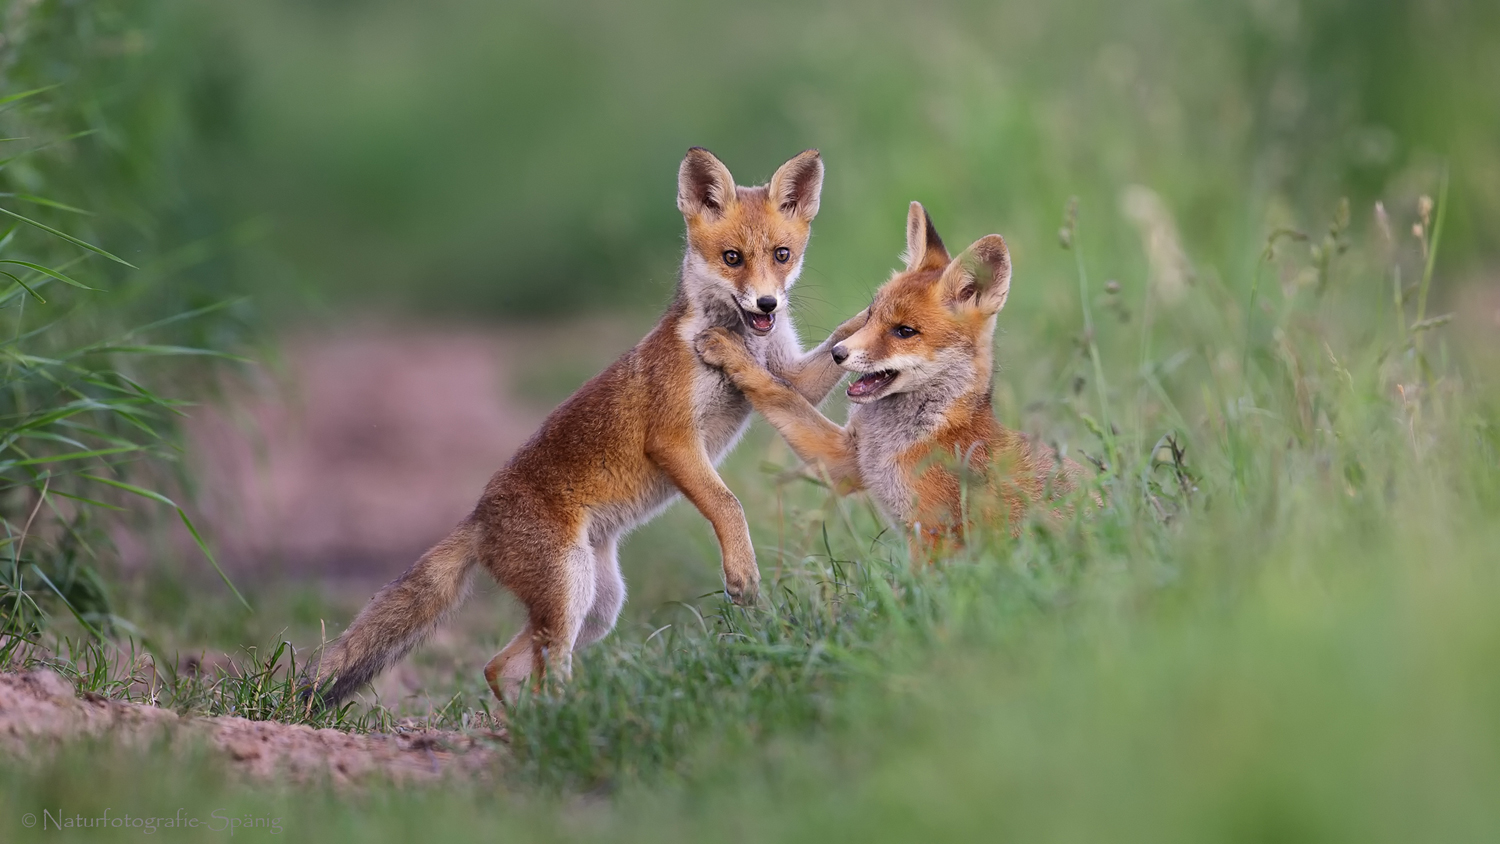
(922, 370)
(947, 375)
(860, 361)
(903, 363)
(796, 272)
(695, 273)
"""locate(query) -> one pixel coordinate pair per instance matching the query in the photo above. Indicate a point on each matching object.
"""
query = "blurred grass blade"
(50, 273)
(1430, 323)
(51, 203)
(197, 537)
(166, 350)
(186, 315)
(203, 546)
(1432, 250)
(18, 291)
(68, 237)
(24, 286)
(89, 501)
(7, 100)
(81, 455)
(65, 602)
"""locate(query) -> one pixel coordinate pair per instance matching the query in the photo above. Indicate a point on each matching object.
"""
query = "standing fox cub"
(653, 424)
(921, 401)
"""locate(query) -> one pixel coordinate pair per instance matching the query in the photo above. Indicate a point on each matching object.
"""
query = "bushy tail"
(400, 615)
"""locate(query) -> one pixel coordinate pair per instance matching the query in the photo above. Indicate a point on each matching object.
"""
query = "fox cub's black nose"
(840, 354)
(766, 303)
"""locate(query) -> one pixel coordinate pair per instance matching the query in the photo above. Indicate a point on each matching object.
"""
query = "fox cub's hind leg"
(555, 618)
(609, 595)
(512, 665)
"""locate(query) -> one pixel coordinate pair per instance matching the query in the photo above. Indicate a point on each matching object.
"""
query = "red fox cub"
(651, 425)
(921, 401)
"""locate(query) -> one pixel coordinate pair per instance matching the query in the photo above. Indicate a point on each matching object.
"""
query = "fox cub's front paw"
(845, 331)
(720, 347)
(743, 585)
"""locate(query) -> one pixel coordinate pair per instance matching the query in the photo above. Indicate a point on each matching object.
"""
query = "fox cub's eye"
(783, 254)
(904, 331)
(732, 258)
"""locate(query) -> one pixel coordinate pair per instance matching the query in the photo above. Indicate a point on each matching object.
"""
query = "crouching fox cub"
(653, 424)
(921, 415)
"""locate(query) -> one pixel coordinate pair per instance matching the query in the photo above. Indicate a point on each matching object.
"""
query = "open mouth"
(871, 383)
(760, 323)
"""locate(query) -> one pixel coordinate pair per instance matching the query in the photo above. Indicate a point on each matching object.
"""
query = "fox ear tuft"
(980, 277)
(704, 186)
(797, 185)
(924, 249)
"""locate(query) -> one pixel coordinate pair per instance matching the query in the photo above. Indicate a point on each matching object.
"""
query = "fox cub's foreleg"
(813, 374)
(679, 453)
(811, 435)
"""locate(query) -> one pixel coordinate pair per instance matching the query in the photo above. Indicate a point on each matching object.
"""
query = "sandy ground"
(39, 711)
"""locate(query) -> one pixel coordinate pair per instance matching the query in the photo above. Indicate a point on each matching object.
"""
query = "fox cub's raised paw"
(721, 348)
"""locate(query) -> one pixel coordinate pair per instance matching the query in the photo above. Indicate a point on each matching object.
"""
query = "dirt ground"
(39, 711)
(337, 462)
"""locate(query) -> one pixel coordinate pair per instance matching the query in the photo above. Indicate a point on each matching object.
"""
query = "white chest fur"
(880, 437)
(720, 411)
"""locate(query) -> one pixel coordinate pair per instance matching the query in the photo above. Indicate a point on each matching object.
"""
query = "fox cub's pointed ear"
(980, 277)
(704, 185)
(797, 185)
(924, 249)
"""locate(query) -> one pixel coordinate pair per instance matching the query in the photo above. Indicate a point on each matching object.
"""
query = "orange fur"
(651, 425)
(918, 440)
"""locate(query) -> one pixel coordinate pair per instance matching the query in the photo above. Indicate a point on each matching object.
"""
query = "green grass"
(1281, 633)
(79, 425)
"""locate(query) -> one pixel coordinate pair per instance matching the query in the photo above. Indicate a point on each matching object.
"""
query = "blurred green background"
(503, 160)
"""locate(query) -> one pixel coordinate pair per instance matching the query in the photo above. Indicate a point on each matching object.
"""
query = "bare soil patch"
(39, 711)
